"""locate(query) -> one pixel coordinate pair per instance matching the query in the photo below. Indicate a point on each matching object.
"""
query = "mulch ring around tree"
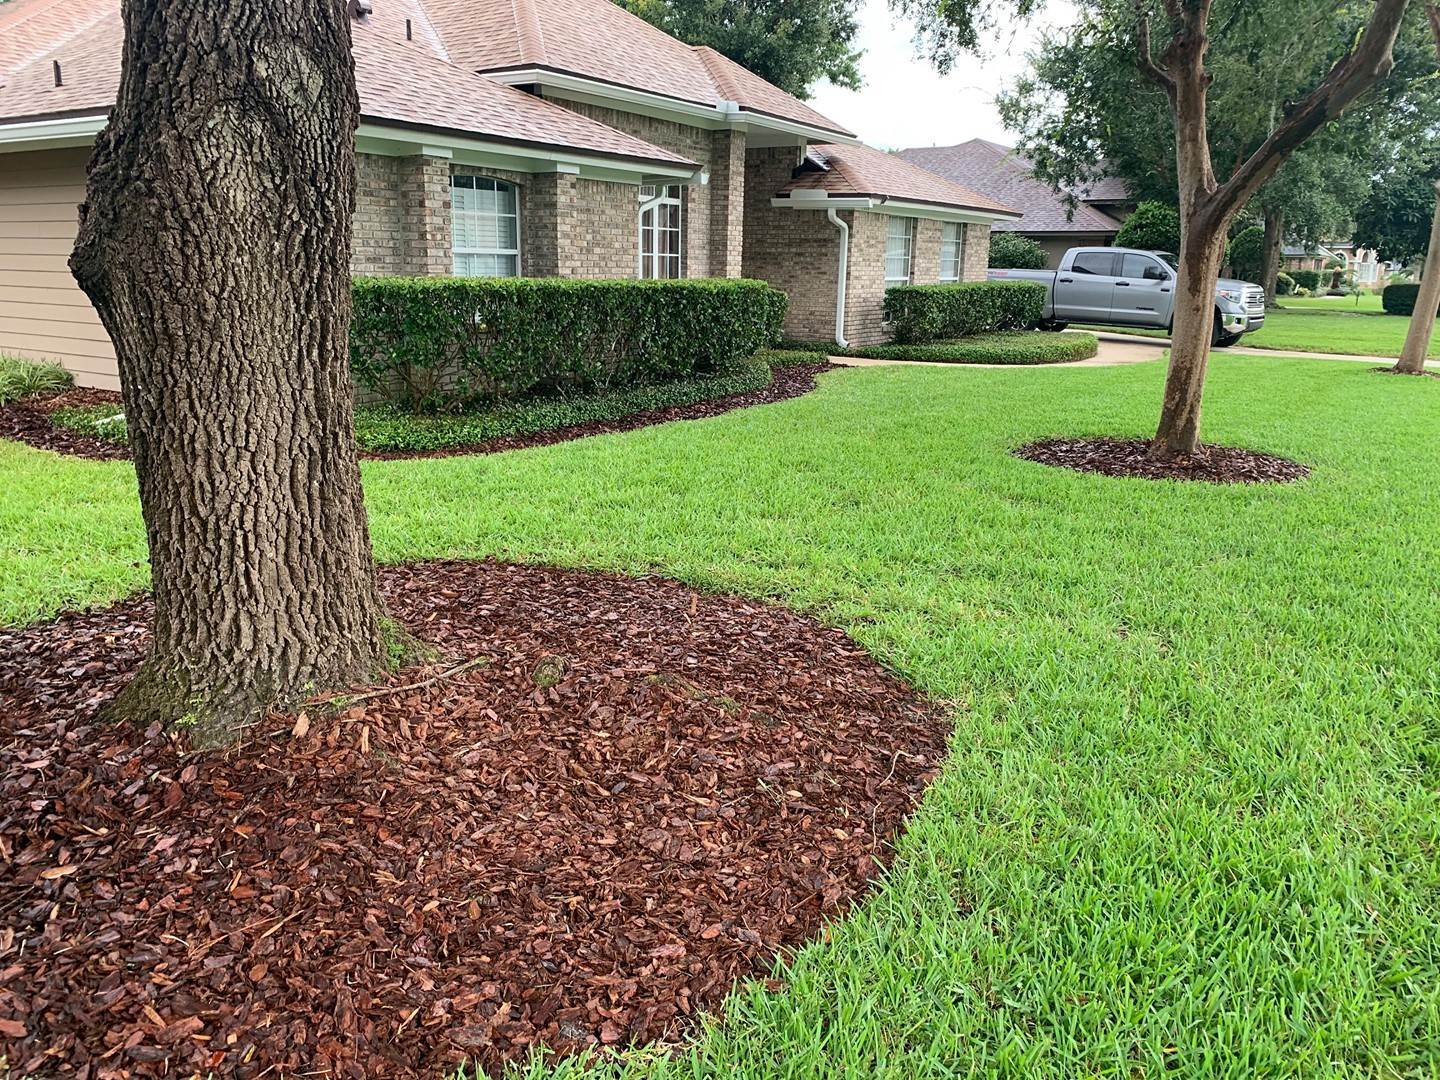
(1412, 374)
(28, 420)
(606, 801)
(1130, 457)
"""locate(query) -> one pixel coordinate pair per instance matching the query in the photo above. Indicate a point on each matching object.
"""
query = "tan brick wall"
(600, 229)
(925, 261)
(797, 251)
(708, 210)
(977, 252)
(865, 286)
(378, 240)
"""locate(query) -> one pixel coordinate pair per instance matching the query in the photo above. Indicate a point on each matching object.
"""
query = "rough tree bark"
(215, 244)
(1208, 207)
(1273, 254)
(1427, 303)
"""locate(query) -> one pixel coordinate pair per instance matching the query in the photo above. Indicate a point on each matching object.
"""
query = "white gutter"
(840, 276)
(47, 134)
(814, 199)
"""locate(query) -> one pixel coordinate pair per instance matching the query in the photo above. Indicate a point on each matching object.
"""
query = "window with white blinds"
(485, 227)
(899, 240)
(952, 251)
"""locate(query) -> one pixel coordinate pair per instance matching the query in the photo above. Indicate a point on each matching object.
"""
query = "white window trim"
(959, 243)
(519, 238)
(660, 199)
(909, 250)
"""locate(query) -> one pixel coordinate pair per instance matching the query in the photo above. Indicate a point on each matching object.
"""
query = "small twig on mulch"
(1131, 457)
(346, 700)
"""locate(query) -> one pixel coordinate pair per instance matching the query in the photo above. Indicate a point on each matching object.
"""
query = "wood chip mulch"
(1130, 457)
(641, 795)
(1412, 374)
(28, 420)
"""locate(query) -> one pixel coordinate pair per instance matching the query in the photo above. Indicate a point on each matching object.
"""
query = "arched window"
(660, 231)
(484, 227)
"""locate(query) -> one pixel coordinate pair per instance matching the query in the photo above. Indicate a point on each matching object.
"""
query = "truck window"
(1094, 262)
(1142, 268)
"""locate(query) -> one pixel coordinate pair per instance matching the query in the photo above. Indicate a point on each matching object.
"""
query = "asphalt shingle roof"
(1002, 174)
(842, 169)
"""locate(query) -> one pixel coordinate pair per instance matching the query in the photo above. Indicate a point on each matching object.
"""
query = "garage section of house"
(43, 313)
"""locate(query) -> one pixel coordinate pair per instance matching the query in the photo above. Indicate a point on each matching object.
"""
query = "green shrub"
(101, 421)
(1154, 226)
(1022, 347)
(390, 429)
(21, 378)
(1400, 299)
(445, 343)
(1011, 251)
(1306, 279)
(921, 313)
(1246, 253)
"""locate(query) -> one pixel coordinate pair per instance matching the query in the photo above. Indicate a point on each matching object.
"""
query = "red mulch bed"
(28, 421)
(1130, 457)
(645, 795)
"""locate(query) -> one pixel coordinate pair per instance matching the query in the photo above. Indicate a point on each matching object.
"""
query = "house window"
(484, 227)
(899, 240)
(952, 251)
(660, 231)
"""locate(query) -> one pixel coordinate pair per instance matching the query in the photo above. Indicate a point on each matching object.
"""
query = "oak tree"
(215, 244)
(1427, 303)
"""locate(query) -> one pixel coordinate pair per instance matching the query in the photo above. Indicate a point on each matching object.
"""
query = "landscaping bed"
(1130, 457)
(1019, 347)
(633, 796)
(79, 422)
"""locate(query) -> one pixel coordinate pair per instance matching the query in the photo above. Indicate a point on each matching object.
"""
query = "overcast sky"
(905, 103)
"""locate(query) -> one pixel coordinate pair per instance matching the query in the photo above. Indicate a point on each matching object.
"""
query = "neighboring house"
(1006, 176)
(538, 137)
(1361, 267)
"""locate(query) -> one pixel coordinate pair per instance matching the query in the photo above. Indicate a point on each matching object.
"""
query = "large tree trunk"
(1274, 251)
(215, 244)
(1202, 251)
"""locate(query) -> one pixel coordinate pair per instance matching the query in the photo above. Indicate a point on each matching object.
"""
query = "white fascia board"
(463, 150)
(51, 134)
(725, 114)
(810, 200)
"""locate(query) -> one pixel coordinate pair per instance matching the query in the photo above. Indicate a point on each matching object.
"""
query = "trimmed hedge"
(1011, 251)
(443, 343)
(1019, 348)
(1306, 279)
(1400, 299)
(382, 429)
(924, 313)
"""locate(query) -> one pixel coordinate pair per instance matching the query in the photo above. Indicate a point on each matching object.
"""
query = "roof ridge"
(729, 90)
(529, 32)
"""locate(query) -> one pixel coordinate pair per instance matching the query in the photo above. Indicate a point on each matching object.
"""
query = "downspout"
(840, 277)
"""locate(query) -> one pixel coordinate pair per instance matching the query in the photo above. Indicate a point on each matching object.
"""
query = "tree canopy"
(1396, 218)
(792, 43)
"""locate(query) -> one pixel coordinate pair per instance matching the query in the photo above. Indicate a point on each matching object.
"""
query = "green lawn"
(1354, 302)
(1190, 822)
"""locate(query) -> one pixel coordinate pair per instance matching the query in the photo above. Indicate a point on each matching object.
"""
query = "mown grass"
(1189, 824)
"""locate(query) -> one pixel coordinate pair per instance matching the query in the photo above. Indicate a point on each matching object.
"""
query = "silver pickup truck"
(1124, 287)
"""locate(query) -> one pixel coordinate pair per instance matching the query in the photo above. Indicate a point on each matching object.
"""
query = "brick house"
(538, 137)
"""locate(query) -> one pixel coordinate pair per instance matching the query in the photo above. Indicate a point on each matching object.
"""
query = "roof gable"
(844, 169)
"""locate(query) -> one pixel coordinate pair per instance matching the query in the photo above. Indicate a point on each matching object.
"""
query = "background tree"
(1427, 303)
(1154, 226)
(1246, 252)
(215, 244)
(1011, 251)
(1361, 40)
(792, 43)
(1396, 217)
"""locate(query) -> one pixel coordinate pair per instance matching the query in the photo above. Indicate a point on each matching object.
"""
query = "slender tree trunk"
(1427, 304)
(1274, 250)
(215, 244)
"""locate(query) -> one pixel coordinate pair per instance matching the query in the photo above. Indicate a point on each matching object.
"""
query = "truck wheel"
(1226, 340)
(1050, 327)
(1217, 333)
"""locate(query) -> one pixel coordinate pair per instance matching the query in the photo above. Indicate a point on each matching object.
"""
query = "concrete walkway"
(1116, 350)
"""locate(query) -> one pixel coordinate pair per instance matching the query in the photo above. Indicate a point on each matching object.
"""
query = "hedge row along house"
(515, 137)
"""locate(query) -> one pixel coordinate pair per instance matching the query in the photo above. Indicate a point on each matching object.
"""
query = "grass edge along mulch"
(1130, 457)
(634, 796)
(28, 420)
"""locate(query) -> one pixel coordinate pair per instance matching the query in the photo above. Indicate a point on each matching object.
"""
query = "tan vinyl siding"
(43, 313)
